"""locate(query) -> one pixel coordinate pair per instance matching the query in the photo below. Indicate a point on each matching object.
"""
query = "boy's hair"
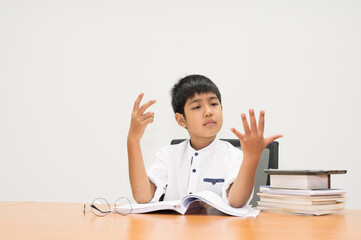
(187, 87)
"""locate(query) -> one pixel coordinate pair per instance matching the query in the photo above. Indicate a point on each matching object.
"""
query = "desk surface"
(35, 220)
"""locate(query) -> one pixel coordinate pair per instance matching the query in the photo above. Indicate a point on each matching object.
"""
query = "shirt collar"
(204, 150)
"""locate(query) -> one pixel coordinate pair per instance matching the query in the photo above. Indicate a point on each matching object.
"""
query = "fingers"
(138, 114)
(238, 134)
(146, 105)
(253, 128)
(149, 120)
(272, 138)
(252, 138)
(247, 131)
(261, 122)
(137, 102)
(141, 110)
(253, 122)
(147, 115)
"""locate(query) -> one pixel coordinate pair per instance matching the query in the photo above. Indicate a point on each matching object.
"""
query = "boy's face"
(203, 116)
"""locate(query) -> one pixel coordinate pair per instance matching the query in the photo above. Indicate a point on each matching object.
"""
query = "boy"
(202, 162)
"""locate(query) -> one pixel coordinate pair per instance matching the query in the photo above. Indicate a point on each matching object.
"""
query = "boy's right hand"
(140, 120)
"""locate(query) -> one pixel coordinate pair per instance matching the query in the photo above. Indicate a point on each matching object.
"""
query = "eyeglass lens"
(123, 206)
(100, 207)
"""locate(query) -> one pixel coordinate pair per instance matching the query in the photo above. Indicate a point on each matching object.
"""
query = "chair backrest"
(269, 159)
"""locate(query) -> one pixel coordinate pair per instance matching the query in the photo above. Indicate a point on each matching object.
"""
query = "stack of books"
(304, 192)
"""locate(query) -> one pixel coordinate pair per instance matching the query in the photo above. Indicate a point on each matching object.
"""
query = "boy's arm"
(252, 143)
(142, 189)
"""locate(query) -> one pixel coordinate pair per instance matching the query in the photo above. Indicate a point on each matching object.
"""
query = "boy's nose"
(208, 112)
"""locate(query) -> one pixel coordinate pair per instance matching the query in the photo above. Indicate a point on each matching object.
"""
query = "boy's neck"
(200, 143)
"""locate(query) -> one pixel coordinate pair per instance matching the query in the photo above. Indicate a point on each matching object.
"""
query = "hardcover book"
(301, 179)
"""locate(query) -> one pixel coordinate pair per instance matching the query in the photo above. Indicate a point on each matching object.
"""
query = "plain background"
(71, 70)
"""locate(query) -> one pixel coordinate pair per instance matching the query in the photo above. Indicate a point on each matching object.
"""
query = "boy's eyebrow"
(212, 98)
(199, 100)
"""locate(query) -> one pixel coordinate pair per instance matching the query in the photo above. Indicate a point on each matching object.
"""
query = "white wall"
(71, 70)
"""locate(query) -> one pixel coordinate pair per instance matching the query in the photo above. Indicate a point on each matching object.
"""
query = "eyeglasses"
(101, 207)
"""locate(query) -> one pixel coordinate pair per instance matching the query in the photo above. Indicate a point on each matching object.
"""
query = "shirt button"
(194, 170)
(196, 154)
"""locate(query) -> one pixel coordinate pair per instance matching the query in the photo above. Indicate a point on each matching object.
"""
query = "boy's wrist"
(251, 158)
(132, 139)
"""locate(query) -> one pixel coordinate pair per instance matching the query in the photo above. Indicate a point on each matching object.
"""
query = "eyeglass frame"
(105, 213)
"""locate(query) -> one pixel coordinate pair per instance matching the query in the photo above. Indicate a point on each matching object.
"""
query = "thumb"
(272, 138)
(238, 134)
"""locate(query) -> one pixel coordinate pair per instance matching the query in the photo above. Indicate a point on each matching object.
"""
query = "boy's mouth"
(209, 123)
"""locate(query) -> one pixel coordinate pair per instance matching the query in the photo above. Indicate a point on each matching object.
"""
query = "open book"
(190, 201)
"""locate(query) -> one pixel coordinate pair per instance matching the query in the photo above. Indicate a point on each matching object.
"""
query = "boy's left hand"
(252, 141)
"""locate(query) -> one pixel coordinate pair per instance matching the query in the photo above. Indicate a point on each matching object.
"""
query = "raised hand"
(252, 140)
(140, 120)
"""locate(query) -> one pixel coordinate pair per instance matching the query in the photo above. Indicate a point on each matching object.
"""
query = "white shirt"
(180, 170)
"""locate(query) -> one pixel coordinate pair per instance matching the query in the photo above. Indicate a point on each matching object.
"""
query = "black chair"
(269, 159)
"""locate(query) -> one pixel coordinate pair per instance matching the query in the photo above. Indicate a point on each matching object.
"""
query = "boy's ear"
(180, 120)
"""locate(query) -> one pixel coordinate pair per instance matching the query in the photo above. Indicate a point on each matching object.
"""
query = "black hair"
(187, 87)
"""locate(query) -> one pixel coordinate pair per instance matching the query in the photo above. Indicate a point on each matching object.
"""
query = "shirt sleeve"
(232, 171)
(158, 174)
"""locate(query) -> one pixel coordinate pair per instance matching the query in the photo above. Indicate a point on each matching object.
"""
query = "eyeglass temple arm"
(93, 206)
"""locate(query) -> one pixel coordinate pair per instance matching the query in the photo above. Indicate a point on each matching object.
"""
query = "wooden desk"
(34, 220)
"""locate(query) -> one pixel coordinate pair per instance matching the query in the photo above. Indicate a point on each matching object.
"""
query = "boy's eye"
(197, 107)
(214, 104)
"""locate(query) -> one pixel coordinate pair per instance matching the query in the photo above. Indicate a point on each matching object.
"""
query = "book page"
(300, 181)
(217, 202)
(325, 192)
(151, 207)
